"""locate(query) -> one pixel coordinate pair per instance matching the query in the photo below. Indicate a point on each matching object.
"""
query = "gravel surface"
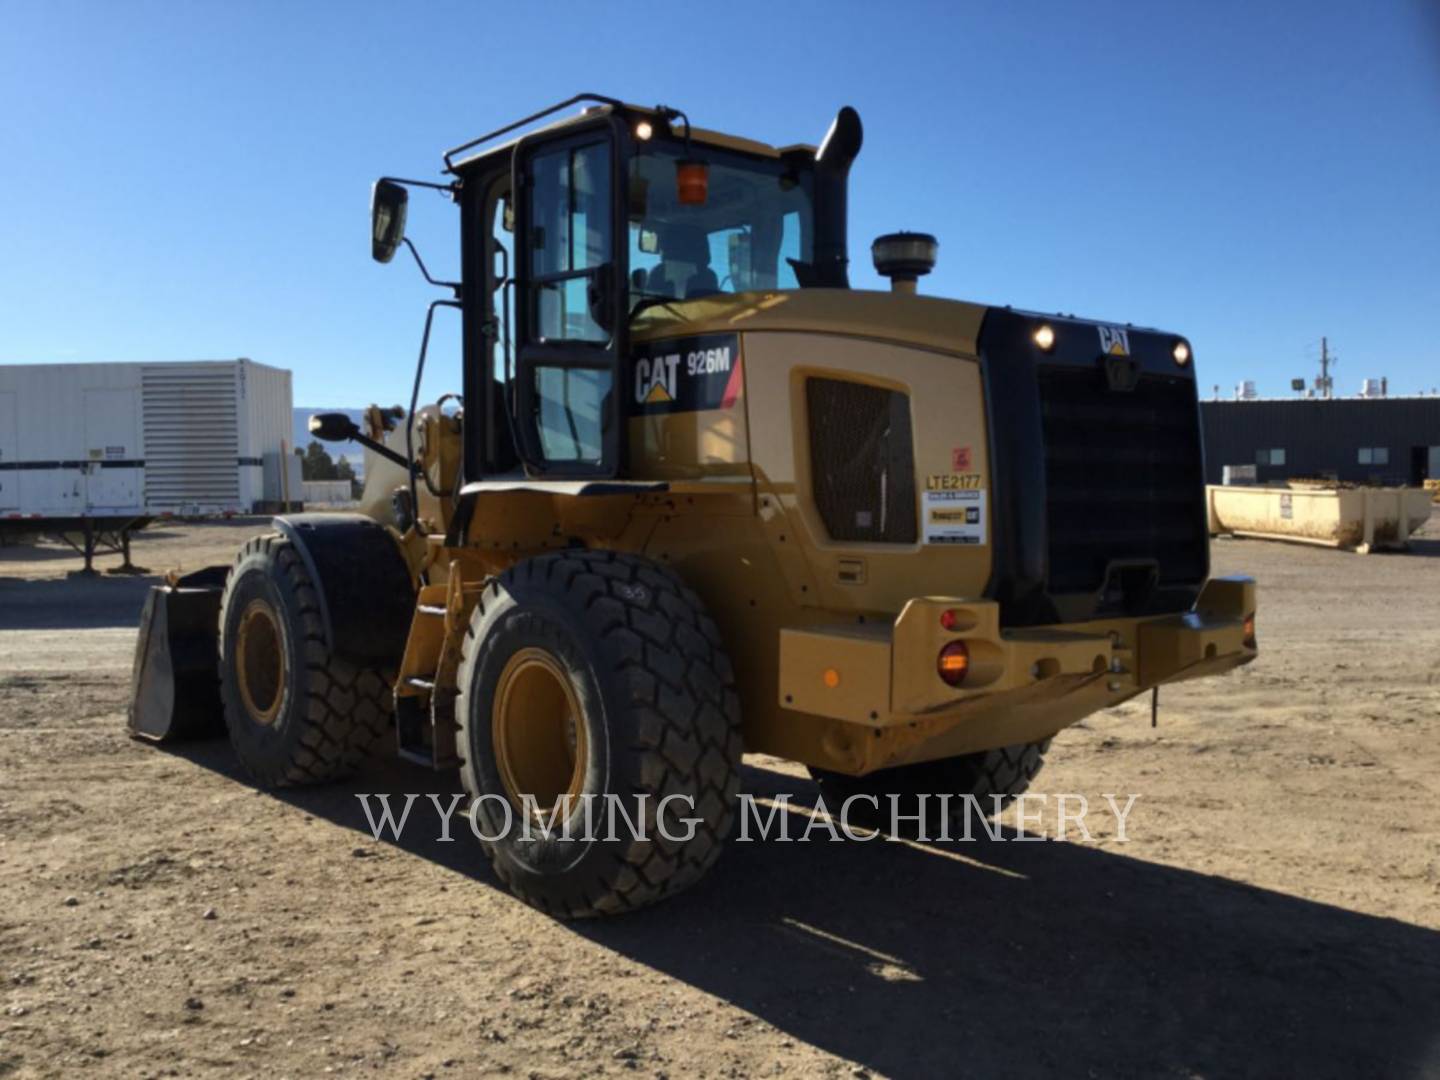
(1274, 911)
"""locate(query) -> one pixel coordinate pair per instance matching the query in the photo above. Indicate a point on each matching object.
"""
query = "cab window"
(573, 403)
(754, 229)
(570, 239)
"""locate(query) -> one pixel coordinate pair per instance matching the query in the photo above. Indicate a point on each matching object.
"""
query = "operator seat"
(683, 271)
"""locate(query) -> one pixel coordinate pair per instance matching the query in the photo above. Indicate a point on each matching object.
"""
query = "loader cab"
(570, 231)
(544, 331)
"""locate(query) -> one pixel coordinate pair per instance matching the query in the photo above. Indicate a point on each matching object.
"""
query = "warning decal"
(954, 517)
(687, 375)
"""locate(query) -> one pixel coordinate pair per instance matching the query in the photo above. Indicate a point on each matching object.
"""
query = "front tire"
(295, 713)
(597, 677)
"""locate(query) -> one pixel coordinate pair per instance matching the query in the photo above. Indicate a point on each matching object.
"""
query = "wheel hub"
(260, 662)
(538, 731)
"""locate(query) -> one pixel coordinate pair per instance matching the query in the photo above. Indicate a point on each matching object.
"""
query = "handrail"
(597, 98)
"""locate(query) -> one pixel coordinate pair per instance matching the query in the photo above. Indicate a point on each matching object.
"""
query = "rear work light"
(954, 663)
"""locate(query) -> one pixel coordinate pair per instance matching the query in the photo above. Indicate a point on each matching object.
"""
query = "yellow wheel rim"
(538, 731)
(260, 662)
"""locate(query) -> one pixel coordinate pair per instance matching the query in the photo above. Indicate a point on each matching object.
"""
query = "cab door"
(571, 320)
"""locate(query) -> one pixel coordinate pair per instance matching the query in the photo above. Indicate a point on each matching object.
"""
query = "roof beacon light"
(692, 182)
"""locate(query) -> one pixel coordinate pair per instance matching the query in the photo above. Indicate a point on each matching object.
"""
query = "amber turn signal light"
(954, 663)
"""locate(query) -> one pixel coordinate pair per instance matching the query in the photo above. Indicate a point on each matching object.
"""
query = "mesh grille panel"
(862, 460)
(1123, 477)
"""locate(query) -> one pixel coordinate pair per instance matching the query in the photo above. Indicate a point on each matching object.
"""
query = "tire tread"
(685, 709)
(347, 709)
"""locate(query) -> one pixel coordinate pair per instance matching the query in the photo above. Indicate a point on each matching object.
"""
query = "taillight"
(949, 619)
(954, 663)
(1249, 641)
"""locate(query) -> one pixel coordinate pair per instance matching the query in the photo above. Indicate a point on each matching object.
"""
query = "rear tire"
(295, 713)
(597, 674)
(1004, 772)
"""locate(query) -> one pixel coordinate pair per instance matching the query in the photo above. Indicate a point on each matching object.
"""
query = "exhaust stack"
(832, 173)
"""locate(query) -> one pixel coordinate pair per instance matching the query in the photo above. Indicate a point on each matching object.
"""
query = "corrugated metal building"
(1394, 440)
(136, 440)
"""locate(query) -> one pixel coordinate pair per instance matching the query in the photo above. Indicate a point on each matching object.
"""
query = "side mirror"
(387, 220)
(333, 427)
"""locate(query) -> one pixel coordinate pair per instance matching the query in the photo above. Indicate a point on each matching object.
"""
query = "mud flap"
(175, 686)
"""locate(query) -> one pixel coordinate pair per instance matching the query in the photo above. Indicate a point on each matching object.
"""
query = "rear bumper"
(1022, 684)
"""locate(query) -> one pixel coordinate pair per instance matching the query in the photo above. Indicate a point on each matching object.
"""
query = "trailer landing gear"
(103, 536)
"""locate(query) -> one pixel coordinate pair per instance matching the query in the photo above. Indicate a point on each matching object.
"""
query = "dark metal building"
(1393, 440)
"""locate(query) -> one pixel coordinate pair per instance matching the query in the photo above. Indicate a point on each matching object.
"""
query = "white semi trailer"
(93, 451)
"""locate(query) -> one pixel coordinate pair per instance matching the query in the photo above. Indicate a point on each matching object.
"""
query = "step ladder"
(425, 690)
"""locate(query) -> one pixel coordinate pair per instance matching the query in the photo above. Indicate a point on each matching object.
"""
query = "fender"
(367, 597)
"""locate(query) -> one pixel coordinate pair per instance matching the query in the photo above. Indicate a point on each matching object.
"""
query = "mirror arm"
(380, 448)
(322, 429)
(453, 286)
(450, 188)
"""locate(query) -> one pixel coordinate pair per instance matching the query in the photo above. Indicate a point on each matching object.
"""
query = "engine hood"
(926, 322)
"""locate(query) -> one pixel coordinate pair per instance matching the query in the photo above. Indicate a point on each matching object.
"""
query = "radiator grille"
(1123, 475)
(862, 459)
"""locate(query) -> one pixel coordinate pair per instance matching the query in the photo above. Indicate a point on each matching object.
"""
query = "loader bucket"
(175, 687)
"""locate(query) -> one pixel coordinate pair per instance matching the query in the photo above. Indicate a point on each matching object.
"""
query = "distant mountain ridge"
(300, 432)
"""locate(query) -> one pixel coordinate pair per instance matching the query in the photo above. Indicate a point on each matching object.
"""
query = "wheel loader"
(695, 497)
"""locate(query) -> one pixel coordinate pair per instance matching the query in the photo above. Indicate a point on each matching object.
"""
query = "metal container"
(1362, 518)
(120, 441)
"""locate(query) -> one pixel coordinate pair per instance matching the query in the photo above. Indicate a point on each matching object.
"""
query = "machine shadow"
(1423, 547)
(998, 958)
(91, 603)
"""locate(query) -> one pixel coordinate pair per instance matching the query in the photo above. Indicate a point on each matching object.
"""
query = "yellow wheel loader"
(696, 497)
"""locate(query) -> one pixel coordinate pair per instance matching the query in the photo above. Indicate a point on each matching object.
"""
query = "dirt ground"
(1274, 912)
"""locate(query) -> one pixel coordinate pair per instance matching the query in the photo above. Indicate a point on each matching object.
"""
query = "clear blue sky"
(188, 180)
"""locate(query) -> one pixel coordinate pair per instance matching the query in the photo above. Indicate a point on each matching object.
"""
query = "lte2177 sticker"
(687, 375)
(952, 482)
